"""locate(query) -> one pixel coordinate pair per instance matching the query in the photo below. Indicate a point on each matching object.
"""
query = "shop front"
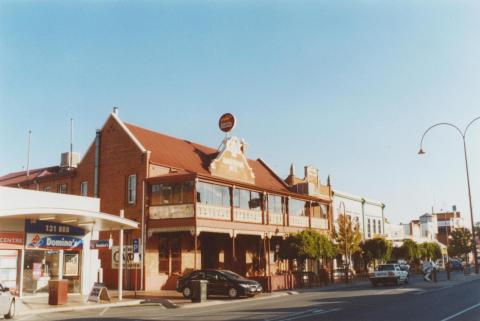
(47, 236)
(11, 245)
(53, 256)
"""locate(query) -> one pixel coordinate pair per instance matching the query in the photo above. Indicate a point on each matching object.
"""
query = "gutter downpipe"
(97, 163)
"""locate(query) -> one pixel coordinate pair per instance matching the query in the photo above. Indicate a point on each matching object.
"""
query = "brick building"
(199, 207)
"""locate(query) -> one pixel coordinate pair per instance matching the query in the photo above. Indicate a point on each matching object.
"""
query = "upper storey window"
(247, 200)
(212, 194)
(132, 189)
(297, 207)
(172, 193)
(276, 204)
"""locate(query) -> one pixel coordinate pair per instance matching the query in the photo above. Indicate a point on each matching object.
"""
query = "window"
(170, 258)
(319, 210)
(247, 200)
(369, 234)
(211, 194)
(46, 189)
(379, 227)
(374, 227)
(132, 189)
(276, 204)
(84, 188)
(172, 193)
(62, 189)
(297, 208)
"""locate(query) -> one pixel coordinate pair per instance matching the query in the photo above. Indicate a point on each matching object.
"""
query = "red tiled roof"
(20, 177)
(196, 158)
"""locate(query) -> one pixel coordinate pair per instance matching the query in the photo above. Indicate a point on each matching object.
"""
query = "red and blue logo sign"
(43, 241)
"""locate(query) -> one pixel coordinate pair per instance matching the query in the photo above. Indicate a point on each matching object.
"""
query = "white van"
(7, 303)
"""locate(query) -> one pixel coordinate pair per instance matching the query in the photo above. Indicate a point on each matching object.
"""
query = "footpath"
(38, 304)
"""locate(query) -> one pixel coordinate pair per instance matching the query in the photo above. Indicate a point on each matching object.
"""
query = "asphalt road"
(454, 300)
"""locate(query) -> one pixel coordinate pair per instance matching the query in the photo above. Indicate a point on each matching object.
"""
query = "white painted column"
(22, 264)
(60, 264)
(120, 263)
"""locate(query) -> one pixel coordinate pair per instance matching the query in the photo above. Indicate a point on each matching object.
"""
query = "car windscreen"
(232, 275)
(387, 267)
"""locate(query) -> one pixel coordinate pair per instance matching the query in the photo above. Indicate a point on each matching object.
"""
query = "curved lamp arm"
(468, 126)
(442, 124)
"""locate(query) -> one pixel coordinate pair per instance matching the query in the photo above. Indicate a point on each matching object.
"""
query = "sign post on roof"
(226, 122)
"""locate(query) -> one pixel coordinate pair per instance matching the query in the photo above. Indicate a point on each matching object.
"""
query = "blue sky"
(348, 86)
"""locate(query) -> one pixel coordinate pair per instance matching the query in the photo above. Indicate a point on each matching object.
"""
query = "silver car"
(7, 303)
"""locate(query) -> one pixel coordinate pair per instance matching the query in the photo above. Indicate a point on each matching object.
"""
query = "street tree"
(299, 246)
(430, 251)
(376, 249)
(347, 235)
(410, 251)
(460, 243)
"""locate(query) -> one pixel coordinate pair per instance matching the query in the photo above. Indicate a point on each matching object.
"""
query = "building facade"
(198, 207)
(367, 214)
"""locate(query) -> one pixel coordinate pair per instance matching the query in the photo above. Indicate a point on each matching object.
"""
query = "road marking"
(104, 310)
(434, 290)
(303, 314)
(461, 312)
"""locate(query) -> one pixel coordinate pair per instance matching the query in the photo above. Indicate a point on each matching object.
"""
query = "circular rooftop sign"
(226, 122)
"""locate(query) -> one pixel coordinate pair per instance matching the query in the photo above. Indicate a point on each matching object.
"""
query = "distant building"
(447, 222)
(435, 227)
(368, 214)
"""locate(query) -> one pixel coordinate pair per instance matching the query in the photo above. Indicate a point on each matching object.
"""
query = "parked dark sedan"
(220, 282)
(456, 265)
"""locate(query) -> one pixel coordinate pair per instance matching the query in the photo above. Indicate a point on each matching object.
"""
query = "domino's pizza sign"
(57, 242)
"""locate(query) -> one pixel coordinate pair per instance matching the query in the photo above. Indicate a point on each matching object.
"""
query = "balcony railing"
(300, 221)
(171, 211)
(213, 212)
(247, 215)
(275, 219)
(320, 223)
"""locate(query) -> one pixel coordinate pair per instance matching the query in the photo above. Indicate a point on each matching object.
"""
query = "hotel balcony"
(275, 219)
(213, 212)
(299, 221)
(319, 223)
(249, 216)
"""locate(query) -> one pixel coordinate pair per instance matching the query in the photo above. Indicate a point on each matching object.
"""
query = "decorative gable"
(231, 162)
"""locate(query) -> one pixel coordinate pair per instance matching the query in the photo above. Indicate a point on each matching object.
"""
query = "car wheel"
(374, 284)
(187, 292)
(11, 312)
(232, 293)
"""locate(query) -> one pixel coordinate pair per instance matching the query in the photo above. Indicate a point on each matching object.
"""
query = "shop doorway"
(8, 268)
(42, 266)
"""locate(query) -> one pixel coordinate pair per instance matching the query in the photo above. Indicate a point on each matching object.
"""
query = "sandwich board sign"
(98, 293)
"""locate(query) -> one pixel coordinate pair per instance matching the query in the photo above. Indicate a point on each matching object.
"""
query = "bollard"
(434, 275)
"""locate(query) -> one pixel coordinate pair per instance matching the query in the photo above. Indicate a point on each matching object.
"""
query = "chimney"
(115, 110)
(244, 147)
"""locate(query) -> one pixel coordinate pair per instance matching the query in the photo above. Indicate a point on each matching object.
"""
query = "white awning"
(20, 204)
(87, 220)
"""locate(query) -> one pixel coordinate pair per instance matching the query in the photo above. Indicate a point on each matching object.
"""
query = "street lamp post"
(463, 135)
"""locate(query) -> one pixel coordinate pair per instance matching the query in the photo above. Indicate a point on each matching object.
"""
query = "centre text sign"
(11, 239)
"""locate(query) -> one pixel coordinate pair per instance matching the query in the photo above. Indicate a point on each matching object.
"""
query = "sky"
(346, 86)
